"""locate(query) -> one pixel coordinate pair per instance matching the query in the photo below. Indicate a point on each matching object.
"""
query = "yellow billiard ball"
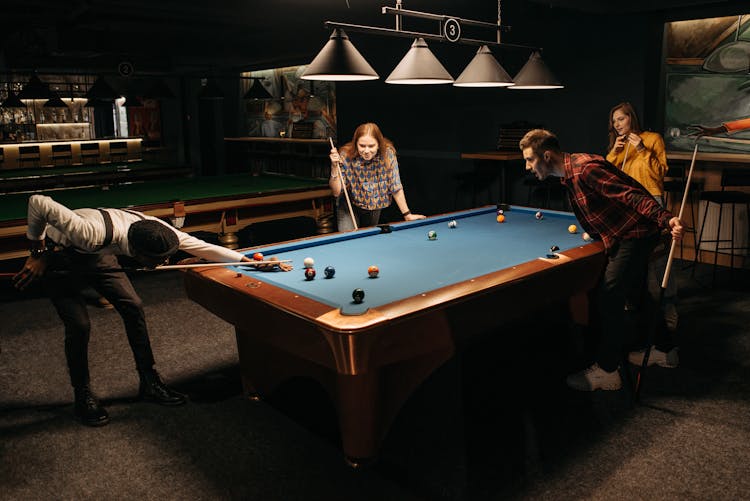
(500, 218)
(572, 228)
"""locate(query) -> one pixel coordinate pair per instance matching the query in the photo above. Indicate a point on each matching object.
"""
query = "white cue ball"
(308, 262)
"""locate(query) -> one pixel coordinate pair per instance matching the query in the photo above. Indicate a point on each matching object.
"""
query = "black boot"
(87, 408)
(153, 389)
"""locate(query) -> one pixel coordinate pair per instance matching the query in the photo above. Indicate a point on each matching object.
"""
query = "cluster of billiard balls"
(358, 294)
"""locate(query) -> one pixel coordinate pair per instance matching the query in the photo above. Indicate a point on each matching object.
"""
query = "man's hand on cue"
(273, 266)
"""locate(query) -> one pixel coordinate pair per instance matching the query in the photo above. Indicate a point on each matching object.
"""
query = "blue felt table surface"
(410, 263)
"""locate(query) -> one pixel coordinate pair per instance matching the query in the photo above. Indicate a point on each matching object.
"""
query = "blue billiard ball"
(309, 273)
(329, 272)
(358, 295)
(452, 224)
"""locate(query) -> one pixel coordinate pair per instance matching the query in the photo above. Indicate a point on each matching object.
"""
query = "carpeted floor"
(495, 423)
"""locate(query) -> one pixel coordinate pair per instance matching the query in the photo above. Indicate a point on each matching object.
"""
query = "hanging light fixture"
(484, 71)
(419, 67)
(34, 89)
(536, 75)
(102, 91)
(339, 60)
(55, 101)
(12, 101)
(257, 91)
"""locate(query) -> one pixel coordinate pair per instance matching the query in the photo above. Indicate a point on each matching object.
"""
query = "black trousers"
(69, 273)
(624, 277)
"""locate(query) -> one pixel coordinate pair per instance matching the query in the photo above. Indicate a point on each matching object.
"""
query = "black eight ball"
(358, 295)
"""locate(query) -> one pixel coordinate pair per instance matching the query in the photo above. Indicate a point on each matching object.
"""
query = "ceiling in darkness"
(189, 36)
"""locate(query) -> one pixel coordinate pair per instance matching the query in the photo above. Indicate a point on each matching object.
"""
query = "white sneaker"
(670, 359)
(594, 378)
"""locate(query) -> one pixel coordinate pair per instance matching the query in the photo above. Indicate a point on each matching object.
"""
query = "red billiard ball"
(309, 273)
(373, 271)
(258, 256)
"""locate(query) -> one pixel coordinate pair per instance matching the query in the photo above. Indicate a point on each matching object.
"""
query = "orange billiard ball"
(258, 256)
(373, 271)
(501, 218)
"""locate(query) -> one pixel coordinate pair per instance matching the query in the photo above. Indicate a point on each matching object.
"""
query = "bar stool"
(729, 178)
(674, 188)
(90, 153)
(118, 151)
(62, 153)
(28, 156)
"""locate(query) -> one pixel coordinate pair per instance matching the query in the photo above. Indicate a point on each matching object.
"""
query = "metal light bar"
(440, 37)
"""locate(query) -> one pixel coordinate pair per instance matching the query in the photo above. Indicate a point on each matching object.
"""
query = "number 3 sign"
(452, 29)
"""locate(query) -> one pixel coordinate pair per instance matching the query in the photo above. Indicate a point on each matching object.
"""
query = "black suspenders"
(107, 230)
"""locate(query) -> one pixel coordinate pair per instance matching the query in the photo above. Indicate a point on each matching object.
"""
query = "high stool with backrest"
(90, 153)
(62, 153)
(730, 177)
(28, 156)
(674, 188)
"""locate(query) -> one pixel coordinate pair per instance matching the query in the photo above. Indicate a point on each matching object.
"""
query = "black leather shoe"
(154, 390)
(87, 408)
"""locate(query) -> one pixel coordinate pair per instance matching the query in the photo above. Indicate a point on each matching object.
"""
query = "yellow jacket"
(649, 166)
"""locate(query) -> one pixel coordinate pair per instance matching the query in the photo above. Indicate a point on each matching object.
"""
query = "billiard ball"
(500, 211)
(539, 215)
(258, 256)
(572, 228)
(373, 271)
(308, 262)
(500, 218)
(452, 223)
(358, 295)
(554, 248)
(432, 235)
(587, 237)
(329, 272)
(309, 273)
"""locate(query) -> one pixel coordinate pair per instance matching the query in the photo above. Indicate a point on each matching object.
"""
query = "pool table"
(220, 204)
(430, 296)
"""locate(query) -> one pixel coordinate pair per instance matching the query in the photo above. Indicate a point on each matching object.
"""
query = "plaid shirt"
(372, 184)
(608, 202)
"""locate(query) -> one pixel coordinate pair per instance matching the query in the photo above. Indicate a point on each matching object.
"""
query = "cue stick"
(167, 267)
(343, 187)
(625, 158)
(665, 280)
(726, 139)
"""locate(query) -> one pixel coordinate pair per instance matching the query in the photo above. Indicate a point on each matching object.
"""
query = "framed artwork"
(707, 68)
(298, 108)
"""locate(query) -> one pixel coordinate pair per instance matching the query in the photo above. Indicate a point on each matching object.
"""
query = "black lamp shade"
(34, 89)
(339, 60)
(102, 91)
(55, 101)
(419, 67)
(536, 75)
(257, 92)
(483, 71)
(12, 101)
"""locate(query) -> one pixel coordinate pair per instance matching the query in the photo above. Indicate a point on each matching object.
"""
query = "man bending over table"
(75, 249)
